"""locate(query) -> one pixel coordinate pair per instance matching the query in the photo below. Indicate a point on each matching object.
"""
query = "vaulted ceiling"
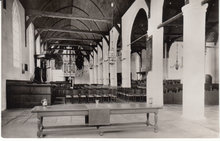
(75, 22)
(85, 22)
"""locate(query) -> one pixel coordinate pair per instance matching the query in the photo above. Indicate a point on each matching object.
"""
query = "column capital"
(194, 6)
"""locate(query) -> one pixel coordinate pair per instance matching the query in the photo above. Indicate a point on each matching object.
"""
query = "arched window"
(16, 29)
(30, 41)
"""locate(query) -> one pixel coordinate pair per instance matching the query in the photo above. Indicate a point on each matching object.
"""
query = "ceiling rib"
(65, 7)
(70, 25)
(43, 29)
(65, 16)
(71, 39)
(73, 45)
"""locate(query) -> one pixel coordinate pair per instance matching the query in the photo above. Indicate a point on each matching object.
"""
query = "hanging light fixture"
(112, 57)
(177, 65)
(112, 4)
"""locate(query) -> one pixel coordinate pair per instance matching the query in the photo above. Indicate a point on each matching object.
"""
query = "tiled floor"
(19, 123)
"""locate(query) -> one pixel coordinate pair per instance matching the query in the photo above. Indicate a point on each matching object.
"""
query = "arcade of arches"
(114, 44)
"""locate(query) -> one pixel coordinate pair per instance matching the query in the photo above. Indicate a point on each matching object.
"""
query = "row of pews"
(88, 94)
(138, 83)
(132, 94)
(24, 94)
(83, 95)
(173, 92)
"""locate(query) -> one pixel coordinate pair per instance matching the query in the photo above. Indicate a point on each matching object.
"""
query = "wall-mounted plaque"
(149, 53)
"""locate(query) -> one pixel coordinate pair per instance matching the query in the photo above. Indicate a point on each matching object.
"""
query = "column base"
(193, 117)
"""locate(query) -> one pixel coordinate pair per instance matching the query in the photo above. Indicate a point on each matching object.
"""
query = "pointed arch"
(16, 32)
(127, 24)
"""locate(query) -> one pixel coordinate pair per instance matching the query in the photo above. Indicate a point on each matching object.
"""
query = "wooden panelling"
(26, 95)
(211, 97)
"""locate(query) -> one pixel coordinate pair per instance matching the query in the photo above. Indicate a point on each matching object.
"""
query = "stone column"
(126, 54)
(91, 69)
(138, 65)
(105, 62)
(154, 82)
(165, 63)
(100, 67)
(38, 50)
(135, 65)
(126, 67)
(194, 15)
(113, 56)
(95, 67)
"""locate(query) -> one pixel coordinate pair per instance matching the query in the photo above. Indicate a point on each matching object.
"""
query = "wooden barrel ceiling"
(83, 23)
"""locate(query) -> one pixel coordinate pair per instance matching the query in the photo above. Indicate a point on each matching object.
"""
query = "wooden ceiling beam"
(74, 54)
(71, 48)
(70, 39)
(177, 16)
(67, 54)
(73, 45)
(62, 48)
(173, 34)
(39, 13)
(170, 20)
(44, 29)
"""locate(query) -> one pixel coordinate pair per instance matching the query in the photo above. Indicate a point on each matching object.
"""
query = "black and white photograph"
(109, 69)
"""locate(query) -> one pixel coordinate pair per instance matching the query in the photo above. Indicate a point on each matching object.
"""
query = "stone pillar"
(135, 65)
(100, 67)
(38, 50)
(126, 55)
(31, 46)
(194, 15)
(165, 63)
(126, 67)
(91, 69)
(113, 56)
(49, 71)
(138, 65)
(143, 62)
(105, 62)
(95, 67)
(155, 76)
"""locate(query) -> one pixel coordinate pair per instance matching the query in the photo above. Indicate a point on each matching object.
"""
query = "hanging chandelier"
(177, 65)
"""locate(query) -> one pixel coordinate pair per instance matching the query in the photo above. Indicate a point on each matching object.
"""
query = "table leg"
(100, 131)
(147, 122)
(155, 122)
(39, 126)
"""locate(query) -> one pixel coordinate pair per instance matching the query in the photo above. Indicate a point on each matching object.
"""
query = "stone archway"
(127, 24)
(139, 28)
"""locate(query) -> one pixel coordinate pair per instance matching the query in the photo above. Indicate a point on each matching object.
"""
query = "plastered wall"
(211, 61)
(8, 70)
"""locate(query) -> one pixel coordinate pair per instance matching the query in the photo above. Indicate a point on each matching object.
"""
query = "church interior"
(94, 68)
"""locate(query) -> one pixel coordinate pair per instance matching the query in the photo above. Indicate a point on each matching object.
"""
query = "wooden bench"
(96, 115)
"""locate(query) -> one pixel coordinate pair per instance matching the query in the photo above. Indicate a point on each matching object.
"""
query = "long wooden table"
(96, 115)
